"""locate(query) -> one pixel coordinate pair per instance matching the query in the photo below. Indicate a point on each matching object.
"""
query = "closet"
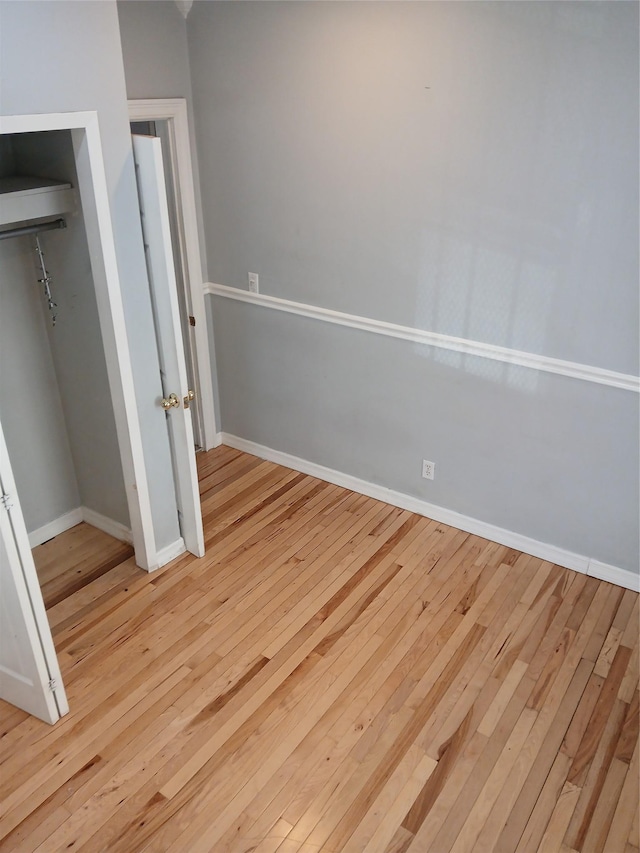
(55, 402)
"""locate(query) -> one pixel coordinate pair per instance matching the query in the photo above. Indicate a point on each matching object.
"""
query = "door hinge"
(192, 320)
(7, 502)
(53, 684)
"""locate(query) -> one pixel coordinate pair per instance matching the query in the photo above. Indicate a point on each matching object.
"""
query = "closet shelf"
(24, 197)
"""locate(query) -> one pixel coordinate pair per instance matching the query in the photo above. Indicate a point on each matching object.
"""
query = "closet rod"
(33, 229)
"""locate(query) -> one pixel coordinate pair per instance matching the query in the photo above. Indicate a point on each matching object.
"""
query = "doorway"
(166, 119)
(160, 130)
(178, 398)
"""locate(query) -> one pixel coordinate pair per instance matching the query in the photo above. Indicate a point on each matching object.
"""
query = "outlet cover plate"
(428, 469)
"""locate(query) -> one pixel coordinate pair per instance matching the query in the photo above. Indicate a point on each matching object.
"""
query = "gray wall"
(154, 49)
(30, 405)
(464, 168)
(66, 56)
(500, 203)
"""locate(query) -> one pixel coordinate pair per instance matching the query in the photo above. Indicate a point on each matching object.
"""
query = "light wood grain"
(75, 558)
(334, 675)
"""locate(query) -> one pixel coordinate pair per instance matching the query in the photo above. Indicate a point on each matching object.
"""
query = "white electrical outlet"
(428, 469)
(253, 282)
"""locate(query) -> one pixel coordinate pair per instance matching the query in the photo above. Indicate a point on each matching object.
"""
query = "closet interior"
(55, 402)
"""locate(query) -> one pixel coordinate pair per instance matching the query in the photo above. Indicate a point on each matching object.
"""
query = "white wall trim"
(573, 370)
(107, 525)
(94, 194)
(543, 550)
(170, 552)
(612, 574)
(53, 528)
(174, 112)
(43, 122)
(76, 516)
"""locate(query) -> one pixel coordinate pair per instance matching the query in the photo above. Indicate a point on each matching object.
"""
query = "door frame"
(174, 112)
(159, 256)
(94, 195)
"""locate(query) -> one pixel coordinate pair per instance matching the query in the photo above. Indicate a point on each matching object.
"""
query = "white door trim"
(174, 112)
(152, 195)
(94, 194)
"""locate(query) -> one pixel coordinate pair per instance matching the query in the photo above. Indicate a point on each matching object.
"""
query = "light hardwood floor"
(335, 674)
(75, 558)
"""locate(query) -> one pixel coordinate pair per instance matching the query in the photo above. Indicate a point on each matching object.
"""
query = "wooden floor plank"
(334, 674)
(374, 686)
(73, 559)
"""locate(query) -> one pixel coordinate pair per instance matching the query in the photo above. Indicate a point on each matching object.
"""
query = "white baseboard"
(543, 550)
(107, 525)
(53, 528)
(612, 574)
(75, 516)
(169, 552)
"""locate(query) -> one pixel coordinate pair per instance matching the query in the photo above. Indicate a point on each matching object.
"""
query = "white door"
(152, 195)
(29, 672)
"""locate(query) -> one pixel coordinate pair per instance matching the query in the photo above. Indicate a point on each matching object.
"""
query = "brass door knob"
(170, 402)
(191, 395)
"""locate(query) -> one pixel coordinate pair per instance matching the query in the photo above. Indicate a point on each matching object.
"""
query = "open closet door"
(154, 212)
(29, 672)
